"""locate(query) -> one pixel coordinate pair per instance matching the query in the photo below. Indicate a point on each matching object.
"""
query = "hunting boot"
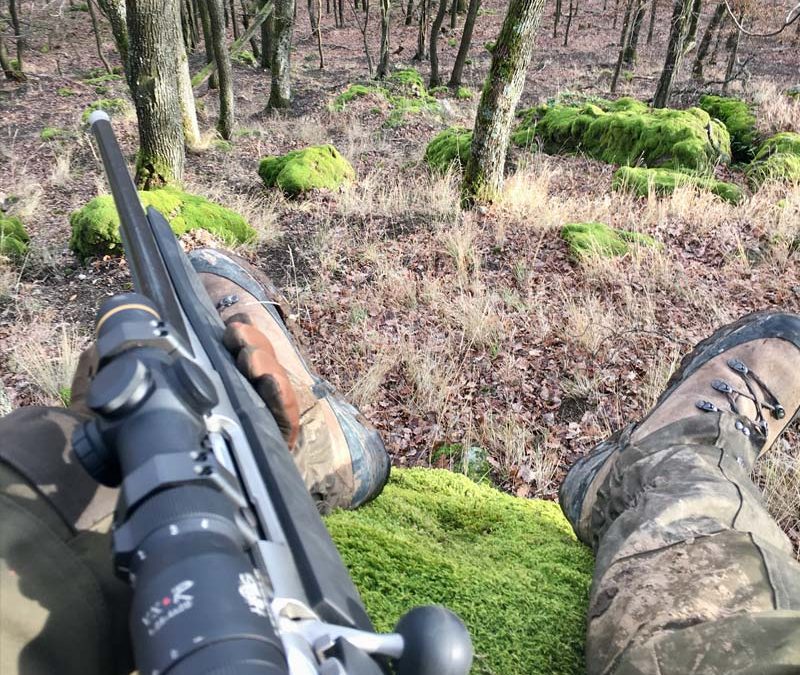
(737, 390)
(341, 458)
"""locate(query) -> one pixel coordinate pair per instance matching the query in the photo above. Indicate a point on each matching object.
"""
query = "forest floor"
(458, 333)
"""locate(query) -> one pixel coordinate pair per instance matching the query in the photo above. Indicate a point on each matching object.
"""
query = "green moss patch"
(665, 182)
(95, 226)
(738, 118)
(510, 568)
(448, 147)
(598, 239)
(778, 158)
(53, 134)
(627, 132)
(246, 58)
(316, 167)
(110, 105)
(105, 78)
(464, 93)
(353, 92)
(14, 238)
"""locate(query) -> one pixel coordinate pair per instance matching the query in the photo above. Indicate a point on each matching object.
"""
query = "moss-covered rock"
(627, 132)
(110, 105)
(738, 118)
(95, 226)
(448, 147)
(410, 80)
(316, 167)
(778, 158)
(510, 568)
(14, 238)
(353, 92)
(666, 181)
(590, 239)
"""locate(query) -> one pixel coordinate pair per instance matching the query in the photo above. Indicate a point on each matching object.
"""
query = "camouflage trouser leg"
(692, 574)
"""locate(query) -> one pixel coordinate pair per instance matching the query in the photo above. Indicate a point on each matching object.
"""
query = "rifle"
(231, 567)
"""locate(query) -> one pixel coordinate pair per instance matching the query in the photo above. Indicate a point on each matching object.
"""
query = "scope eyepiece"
(125, 306)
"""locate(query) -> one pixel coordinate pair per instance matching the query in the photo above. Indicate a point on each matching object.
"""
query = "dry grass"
(48, 357)
(776, 111)
(778, 473)
(61, 172)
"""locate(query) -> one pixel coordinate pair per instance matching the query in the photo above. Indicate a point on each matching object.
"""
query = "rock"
(449, 147)
(778, 159)
(315, 167)
(738, 118)
(14, 238)
(95, 226)
(666, 181)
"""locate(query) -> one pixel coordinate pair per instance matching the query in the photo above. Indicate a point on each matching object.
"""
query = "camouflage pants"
(692, 574)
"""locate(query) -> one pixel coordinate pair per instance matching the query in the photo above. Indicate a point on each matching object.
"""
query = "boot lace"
(757, 392)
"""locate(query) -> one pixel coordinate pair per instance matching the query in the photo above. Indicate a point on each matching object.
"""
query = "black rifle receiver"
(231, 567)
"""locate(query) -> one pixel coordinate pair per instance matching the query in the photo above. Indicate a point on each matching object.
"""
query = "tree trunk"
(313, 17)
(246, 23)
(15, 24)
(573, 11)
(705, 43)
(422, 30)
(383, 59)
(341, 13)
(677, 35)
(115, 13)
(556, 18)
(319, 38)
(191, 130)
(466, 41)
(733, 46)
(410, 12)
(691, 34)
(208, 40)
(153, 30)
(233, 19)
(280, 92)
(97, 40)
(436, 28)
(219, 46)
(629, 50)
(653, 10)
(718, 41)
(453, 14)
(623, 41)
(191, 12)
(483, 178)
(5, 64)
(266, 39)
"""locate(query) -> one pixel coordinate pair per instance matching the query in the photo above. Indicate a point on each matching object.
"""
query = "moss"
(409, 80)
(489, 46)
(793, 93)
(627, 132)
(464, 93)
(316, 167)
(353, 92)
(66, 91)
(448, 147)
(589, 239)
(738, 118)
(95, 227)
(53, 133)
(510, 568)
(665, 181)
(105, 78)
(778, 158)
(110, 105)
(246, 58)
(14, 238)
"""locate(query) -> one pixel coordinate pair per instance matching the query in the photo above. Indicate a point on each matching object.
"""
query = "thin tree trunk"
(191, 12)
(97, 40)
(280, 93)
(733, 46)
(616, 13)
(677, 35)
(222, 58)
(629, 50)
(234, 23)
(705, 42)
(208, 40)
(466, 41)
(651, 28)
(623, 41)
(15, 24)
(319, 38)
(483, 178)
(556, 18)
(341, 16)
(718, 41)
(186, 31)
(191, 130)
(114, 11)
(313, 17)
(266, 39)
(410, 12)
(246, 23)
(5, 64)
(383, 60)
(453, 14)
(572, 13)
(153, 30)
(364, 32)
(422, 30)
(436, 28)
(691, 34)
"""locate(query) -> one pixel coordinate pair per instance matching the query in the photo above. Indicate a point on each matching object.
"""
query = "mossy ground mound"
(627, 132)
(778, 158)
(510, 568)
(738, 118)
(316, 167)
(13, 238)
(666, 181)
(110, 105)
(449, 147)
(598, 239)
(404, 90)
(95, 227)
(54, 133)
